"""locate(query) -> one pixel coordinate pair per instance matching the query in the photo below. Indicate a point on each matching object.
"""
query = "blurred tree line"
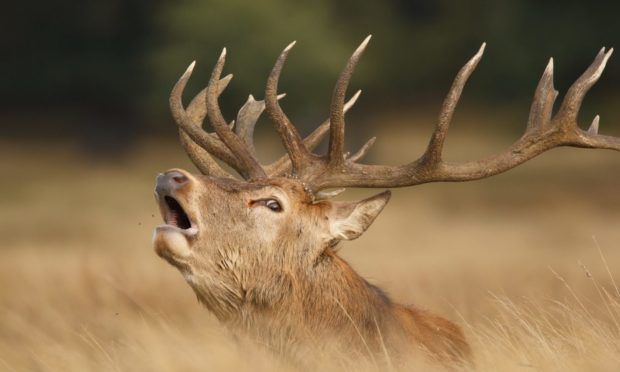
(102, 70)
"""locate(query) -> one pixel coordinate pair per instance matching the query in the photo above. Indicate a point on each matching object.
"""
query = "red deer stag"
(261, 253)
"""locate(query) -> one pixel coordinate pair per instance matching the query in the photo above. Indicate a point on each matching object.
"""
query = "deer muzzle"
(172, 239)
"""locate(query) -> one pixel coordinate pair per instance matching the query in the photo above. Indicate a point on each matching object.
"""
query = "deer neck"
(306, 304)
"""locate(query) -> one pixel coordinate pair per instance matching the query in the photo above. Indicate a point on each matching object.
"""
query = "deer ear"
(348, 221)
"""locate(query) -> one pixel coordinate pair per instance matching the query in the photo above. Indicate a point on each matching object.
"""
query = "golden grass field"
(524, 261)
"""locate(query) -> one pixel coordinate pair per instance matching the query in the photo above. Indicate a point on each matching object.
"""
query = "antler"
(237, 150)
(544, 131)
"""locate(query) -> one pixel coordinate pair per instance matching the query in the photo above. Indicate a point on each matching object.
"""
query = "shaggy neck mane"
(314, 309)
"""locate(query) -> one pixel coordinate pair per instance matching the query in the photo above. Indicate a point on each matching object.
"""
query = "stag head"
(238, 241)
(251, 240)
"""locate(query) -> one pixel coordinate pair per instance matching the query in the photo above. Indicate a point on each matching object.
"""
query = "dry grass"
(513, 259)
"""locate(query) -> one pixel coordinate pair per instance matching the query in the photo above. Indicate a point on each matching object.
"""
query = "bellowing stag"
(260, 253)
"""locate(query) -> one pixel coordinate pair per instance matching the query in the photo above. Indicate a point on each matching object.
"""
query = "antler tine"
(363, 150)
(184, 119)
(200, 157)
(565, 121)
(250, 168)
(197, 111)
(435, 146)
(176, 95)
(589, 138)
(246, 121)
(197, 108)
(314, 138)
(336, 116)
(575, 94)
(542, 104)
(593, 129)
(291, 139)
(283, 164)
(322, 195)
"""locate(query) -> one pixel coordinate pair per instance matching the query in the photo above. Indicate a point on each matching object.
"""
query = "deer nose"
(170, 181)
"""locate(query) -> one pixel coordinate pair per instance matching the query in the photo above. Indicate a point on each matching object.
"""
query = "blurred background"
(99, 72)
(85, 127)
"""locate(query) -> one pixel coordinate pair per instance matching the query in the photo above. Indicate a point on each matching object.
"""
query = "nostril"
(178, 177)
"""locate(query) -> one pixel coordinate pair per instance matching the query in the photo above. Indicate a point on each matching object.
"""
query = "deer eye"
(272, 204)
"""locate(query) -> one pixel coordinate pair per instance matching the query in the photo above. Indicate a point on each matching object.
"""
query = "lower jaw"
(171, 242)
(189, 233)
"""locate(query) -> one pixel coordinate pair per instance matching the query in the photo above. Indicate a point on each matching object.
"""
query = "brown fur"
(277, 279)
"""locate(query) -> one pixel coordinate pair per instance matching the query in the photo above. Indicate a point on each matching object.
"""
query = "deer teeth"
(175, 215)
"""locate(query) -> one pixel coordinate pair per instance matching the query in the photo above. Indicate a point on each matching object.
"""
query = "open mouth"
(175, 217)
